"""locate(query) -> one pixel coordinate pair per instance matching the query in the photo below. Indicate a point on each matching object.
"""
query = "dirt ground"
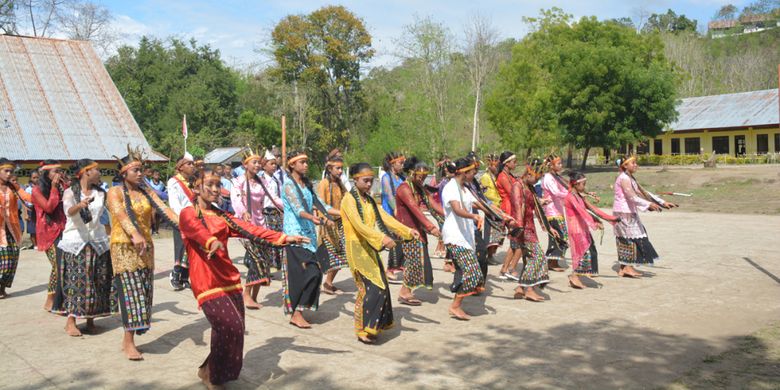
(733, 189)
(702, 318)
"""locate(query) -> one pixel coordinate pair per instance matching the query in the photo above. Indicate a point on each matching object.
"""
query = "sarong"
(556, 249)
(226, 316)
(534, 265)
(9, 261)
(373, 310)
(134, 297)
(84, 284)
(633, 245)
(274, 221)
(337, 253)
(468, 279)
(51, 255)
(301, 279)
(256, 260)
(418, 271)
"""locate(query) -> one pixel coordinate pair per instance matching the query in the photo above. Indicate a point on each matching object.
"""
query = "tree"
(669, 22)
(163, 80)
(43, 15)
(599, 83)
(726, 12)
(325, 50)
(89, 22)
(482, 59)
(8, 17)
(255, 129)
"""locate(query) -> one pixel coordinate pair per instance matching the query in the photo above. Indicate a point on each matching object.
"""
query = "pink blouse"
(552, 189)
(238, 199)
(626, 198)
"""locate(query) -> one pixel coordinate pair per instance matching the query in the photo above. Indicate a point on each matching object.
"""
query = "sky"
(241, 29)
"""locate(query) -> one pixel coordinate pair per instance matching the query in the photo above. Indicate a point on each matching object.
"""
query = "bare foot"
(72, 330)
(575, 282)
(250, 304)
(49, 302)
(532, 296)
(131, 352)
(458, 313)
(298, 320)
(3, 294)
(448, 267)
(519, 293)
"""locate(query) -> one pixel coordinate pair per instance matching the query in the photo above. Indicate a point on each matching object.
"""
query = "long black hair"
(354, 169)
(44, 182)
(334, 160)
(85, 214)
(501, 159)
(304, 178)
(142, 188)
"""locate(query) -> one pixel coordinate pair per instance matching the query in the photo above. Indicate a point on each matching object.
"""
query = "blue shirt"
(294, 224)
(389, 184)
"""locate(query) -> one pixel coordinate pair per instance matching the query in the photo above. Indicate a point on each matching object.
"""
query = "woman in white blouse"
(84, 286)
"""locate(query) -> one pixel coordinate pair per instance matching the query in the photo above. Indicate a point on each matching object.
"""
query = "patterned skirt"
(274, 220)
(226, 316)
(493, 236)
(301, 279)
(334, 244)
(134, 290)
(589, 264)
(9, 260)
(256, 260)
(51, 255)
(633, 245)
(373, 310)
(395, 259)
(418, 271)
(84, 284)
(556, 248)
(468, 279)
(534, 265)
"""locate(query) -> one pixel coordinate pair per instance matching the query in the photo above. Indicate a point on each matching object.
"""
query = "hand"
(599, 226)
(388, 242)
(246, 217)
(510, 221)
(654, 207)
(139, 243)
(555, 233)
(329, 223)
(670, 205)
(545, 202)
(480, 221)
(596, 198)
(415, 234)
(296, 240)
(436, 232)
(84, 203)
(215, 246)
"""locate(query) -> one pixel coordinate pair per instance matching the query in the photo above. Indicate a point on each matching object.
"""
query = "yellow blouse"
(331, 194)
(124, 257)
(491, 192)
(363, 239)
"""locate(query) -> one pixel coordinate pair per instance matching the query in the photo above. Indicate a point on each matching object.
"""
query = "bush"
(693, 159)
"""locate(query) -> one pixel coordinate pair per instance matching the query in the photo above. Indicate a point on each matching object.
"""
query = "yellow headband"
(336, 164)
(466, 168)
(250, 158)
(85, 169)
(510, 158)
(296, 159)
(628, 160)
(127, 167)
(363, 173)
(50, 166)
(421, 171)
(397, 159)
(8, 166)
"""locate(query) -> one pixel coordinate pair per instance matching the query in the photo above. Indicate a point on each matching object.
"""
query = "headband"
(421, 171)
(296, 159)
(250, 158)
(508, 159)
(400, 158)
(580, 180)
(628, 160)
(556, 159)
(363, 173)
(466, 168)
(88, 167)
(50, 166)
(8, 166)
(134, 163)
(336, 164)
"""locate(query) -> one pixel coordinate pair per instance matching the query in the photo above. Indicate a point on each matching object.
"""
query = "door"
(740, 148)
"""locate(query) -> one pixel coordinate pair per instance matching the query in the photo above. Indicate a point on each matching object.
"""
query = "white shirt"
(457, 230)
(274, 187)
(177, 199)
(78, 234)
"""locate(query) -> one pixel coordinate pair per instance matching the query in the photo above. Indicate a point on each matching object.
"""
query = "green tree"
(599, 83)
(255, 129)
(161, 81)
(669, 22)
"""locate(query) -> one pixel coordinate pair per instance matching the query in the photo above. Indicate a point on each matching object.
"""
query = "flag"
(184, 127)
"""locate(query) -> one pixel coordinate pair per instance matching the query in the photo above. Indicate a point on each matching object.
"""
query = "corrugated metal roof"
(746, 109)
(220, 155)
(57, 101)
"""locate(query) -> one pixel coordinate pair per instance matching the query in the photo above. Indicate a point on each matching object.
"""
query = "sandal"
(409, 301)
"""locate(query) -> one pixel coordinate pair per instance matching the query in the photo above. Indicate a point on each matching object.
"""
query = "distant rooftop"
(57, 101)
(221, 155)
(733, 110)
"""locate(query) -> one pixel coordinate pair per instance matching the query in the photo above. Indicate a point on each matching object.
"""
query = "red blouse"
(217, 276)
(504, 183)
(48, 230)
(409, 210)
(523, 207)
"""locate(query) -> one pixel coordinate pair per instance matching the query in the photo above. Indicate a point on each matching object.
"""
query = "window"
(720, 145)
(777, 143)
(643, 148)
(762, 143)
(692, 145)
(739, 144)
(658, 146)
(675, 146)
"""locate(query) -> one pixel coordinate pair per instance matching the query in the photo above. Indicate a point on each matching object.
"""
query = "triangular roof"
(57, 101)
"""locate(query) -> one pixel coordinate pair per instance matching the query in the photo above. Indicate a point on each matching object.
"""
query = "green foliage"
(669, 22)
(694, 159)
(161, 81)
(257, 130)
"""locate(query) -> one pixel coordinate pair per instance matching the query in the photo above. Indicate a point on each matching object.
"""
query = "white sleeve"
(175, 195)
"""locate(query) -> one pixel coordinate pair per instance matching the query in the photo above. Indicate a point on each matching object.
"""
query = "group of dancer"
(309, 234)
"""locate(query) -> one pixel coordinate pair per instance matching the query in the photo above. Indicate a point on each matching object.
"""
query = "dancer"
(332, 189)
(272, 208)
(50, 218)
(504, 183)
(524, 239)
(447, 172)
(458, 235)
(248, 198)
(633, 245)
(493, 237)
(180, 196)
(216, 283)
(10, 229)
(132, 249)
(411, 197)
(30, 220)
(393, 165)
(554, 190)
(84, 280)
(369, 229)
(301, 272)
(582, 217)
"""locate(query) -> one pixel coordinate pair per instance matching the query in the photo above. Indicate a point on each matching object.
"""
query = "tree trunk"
(584, 158)
(527, 153)
(568, 157)
(476, 121)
